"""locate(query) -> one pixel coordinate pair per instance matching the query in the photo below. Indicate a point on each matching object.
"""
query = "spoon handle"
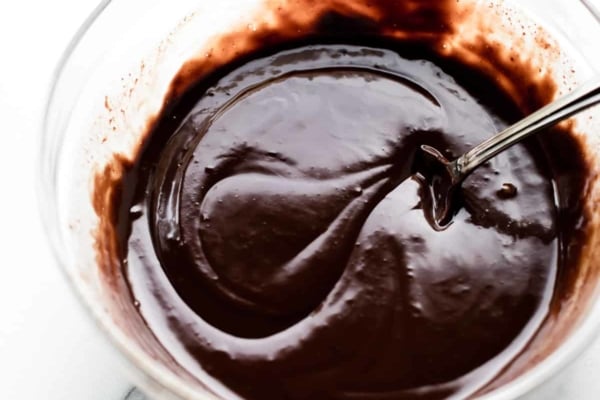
(580, 99)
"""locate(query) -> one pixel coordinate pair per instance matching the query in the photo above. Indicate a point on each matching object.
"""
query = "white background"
(48, 347)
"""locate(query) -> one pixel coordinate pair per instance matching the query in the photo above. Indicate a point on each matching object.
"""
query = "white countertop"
(48, 348)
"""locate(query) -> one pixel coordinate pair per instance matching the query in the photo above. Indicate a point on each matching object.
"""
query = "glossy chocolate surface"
(273, 237)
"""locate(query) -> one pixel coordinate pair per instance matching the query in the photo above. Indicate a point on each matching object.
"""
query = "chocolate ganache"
(273, 236)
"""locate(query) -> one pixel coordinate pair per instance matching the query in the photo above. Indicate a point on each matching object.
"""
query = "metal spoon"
(443, 177)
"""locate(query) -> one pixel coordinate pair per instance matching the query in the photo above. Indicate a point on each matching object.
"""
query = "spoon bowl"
(441, 178)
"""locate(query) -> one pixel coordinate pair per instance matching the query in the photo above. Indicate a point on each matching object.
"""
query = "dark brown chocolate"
(273, 237)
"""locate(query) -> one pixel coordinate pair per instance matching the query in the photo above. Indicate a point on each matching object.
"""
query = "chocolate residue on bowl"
(359, 314)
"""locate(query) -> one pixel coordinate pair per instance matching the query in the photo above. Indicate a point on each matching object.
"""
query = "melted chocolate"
(274, 237)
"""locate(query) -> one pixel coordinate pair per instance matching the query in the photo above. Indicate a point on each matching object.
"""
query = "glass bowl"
(112, 79)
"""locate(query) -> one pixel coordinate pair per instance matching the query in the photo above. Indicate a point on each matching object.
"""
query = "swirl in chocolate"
(284, 241)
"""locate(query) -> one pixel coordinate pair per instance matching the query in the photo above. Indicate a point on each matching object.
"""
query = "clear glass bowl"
(113, 77)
